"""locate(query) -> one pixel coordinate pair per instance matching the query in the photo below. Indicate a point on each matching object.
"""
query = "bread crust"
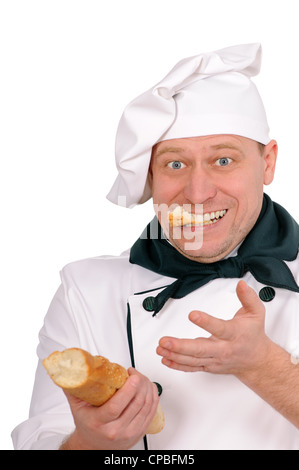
(180, 217)
(93, 379)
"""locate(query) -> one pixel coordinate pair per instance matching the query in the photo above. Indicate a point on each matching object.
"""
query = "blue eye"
(176, 165)
(223, 161)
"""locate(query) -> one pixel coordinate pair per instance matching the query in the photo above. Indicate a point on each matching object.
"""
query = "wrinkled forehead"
(204, 143)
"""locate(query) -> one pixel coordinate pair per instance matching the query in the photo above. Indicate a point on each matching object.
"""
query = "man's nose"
(200, 186)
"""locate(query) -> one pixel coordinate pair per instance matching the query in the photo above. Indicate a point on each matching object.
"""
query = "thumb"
(249, 299)
(74, 402)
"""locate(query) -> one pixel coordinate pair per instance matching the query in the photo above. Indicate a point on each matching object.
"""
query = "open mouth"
(181, 218)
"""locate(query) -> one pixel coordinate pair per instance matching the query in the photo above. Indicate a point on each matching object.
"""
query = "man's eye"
(176, 165)
(223, 161)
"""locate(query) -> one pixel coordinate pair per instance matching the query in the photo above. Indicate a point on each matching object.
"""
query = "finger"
(203, 366)
(140, 411)
(76, 403)
(145, 393)
(173, 347)
(249, 298)
(214, 326)
(115, 406)
(186, 360)
(141, 415)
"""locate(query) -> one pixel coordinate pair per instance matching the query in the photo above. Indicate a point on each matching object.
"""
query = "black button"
(267, 294)
(149, 304)
(159, 387)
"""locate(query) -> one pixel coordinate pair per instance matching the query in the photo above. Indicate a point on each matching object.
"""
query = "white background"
(67, 69)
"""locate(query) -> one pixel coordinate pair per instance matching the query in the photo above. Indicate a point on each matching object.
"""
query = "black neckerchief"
(274, 238)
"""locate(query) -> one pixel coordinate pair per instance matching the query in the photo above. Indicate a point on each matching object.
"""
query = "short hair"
(261, 147)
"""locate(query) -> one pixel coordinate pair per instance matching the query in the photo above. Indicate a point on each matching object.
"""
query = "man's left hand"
(235, 346)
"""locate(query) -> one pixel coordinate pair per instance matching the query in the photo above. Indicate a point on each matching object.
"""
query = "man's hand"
(118, 424)
(235, 346)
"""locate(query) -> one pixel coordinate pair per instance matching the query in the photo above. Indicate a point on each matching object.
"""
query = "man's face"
(223, 173)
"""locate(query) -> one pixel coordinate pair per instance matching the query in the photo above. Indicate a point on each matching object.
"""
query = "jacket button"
(159, 387)
(149, 304)
(267, 294)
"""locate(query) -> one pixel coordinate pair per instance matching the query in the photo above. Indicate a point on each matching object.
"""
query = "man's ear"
(270, 157)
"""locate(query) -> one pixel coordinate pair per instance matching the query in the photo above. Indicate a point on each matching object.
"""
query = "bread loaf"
(93, 379)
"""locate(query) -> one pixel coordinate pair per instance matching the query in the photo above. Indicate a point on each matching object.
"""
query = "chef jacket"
(103, 306)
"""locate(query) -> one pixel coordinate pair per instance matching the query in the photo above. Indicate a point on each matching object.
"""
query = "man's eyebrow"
(169, 149)
(163, 150)
(225, 146)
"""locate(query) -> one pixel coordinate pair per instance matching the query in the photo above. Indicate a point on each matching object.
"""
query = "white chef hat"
(207, 94)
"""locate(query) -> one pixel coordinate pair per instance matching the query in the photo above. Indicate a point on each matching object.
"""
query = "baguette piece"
(93, 379)
(180, 217)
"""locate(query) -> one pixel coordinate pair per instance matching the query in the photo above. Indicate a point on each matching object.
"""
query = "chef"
(205, 312)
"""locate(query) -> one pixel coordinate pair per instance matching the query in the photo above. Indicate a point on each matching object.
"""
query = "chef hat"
(207, 94)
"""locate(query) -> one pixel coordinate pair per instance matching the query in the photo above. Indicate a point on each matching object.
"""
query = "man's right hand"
(118, 424)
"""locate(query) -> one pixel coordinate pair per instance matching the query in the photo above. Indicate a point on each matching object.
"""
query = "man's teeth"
(181, 217)
(211, 216)
(207, 219)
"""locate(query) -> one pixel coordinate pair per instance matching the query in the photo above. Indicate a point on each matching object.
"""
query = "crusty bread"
(180, 217)
(93, 379)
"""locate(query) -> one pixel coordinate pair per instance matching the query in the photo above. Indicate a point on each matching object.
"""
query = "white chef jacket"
(202, 410)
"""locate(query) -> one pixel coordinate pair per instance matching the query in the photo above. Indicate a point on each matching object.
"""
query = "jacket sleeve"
(50, 420)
